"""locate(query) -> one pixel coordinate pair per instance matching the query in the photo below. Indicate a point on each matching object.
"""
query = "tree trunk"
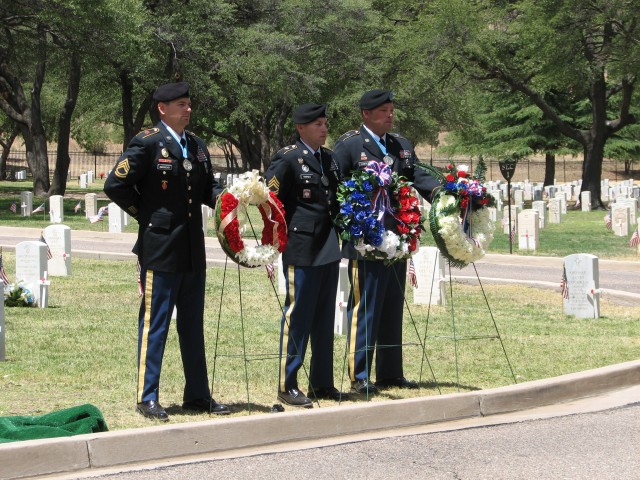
(250, 147)
(59, 184)
(126, 86)
(592, 173)
(6, 149)
(549, 169)
(40, 161)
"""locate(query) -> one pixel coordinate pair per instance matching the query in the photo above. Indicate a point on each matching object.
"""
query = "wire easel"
(456, 337)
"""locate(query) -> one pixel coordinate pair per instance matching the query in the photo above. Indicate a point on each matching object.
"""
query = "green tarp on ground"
(63, 423)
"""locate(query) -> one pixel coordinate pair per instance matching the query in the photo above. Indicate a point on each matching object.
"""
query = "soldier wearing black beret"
(305, 178)
(162, 179)
(375, 305)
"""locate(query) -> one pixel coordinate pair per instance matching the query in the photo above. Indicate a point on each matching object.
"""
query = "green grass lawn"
(82, 349)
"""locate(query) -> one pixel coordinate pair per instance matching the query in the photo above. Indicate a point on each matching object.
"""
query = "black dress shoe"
(399, 382)
(208, 405)
(295, 398)
(328, 393)
(364, 387)
(152, 409)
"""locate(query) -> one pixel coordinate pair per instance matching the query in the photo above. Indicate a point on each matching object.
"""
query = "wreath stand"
(455, 336)
(244, 355)
(421, 343)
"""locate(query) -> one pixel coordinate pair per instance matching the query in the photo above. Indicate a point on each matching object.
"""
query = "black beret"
(171, 91)
(309, 112)
(375, 98)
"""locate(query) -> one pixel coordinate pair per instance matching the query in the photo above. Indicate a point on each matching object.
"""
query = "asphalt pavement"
(582, 425)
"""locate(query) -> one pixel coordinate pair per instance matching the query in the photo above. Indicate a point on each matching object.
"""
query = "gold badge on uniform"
(165, 184)
(122, 169)
(274, 185)
(165, 153)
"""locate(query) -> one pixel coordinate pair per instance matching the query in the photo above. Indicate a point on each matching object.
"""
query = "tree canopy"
(507, 77)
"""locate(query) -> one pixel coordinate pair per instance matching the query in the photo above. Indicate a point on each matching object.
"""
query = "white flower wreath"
(462, 247)
(459, 218)
(232, 205)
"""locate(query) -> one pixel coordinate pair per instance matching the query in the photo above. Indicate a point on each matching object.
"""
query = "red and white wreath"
(231, 207)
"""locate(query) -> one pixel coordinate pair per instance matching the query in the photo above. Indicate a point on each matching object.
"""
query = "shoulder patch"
(274, 185)
(122, 169)
(149, 132)
(349, 134)
(397, 135)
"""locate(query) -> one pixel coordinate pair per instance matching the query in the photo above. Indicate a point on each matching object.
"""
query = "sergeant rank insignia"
(274, 185)
(122, 169)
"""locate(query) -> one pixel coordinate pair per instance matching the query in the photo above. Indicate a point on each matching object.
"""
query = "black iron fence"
(568, 169)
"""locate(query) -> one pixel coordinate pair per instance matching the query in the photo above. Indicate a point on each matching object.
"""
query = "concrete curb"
(84, 453)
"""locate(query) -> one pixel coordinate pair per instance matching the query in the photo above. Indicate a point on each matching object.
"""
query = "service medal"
(388, 160)
(325, 180)
(187, 165)
(165, 153)
(305, 168)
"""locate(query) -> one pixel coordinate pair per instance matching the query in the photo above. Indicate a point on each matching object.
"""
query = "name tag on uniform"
(306, 177)
(164, 166)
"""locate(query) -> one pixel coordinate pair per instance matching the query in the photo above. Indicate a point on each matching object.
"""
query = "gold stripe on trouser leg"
(355, 284)
(285, 333)
(142, 367)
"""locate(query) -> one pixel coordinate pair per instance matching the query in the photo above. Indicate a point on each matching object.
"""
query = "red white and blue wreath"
(459, 218)
(370, 197)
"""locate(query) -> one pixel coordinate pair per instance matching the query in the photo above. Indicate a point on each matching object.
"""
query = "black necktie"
(382, 141)
(183, 142)
(317, 155)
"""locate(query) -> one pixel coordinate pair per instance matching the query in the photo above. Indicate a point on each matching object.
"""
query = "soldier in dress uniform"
(305, 178)
(375, 305)
(161, 180)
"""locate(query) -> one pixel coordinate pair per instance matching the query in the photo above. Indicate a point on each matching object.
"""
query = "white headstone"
(342, 296)
(116, 218)
(540, 207)
(82, 181)
(554, 210)
(518, 197)
(56, 208)
(26, 203)
(582, 298)
(31, 263)
(90, 176)
(632, 203)
(58, 238)
(430, 274)
(206, 213)
(585, 201)
(528, 224)
(620, 213)
(506, 228)
(561, 196)
(282, 283)
(90, 205)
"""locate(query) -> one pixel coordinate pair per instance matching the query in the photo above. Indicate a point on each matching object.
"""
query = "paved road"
(599, 445)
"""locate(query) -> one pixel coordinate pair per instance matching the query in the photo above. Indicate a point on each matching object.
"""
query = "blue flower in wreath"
(365, 199)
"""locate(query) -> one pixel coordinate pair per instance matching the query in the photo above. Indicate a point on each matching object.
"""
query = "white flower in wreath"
(459, 245)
